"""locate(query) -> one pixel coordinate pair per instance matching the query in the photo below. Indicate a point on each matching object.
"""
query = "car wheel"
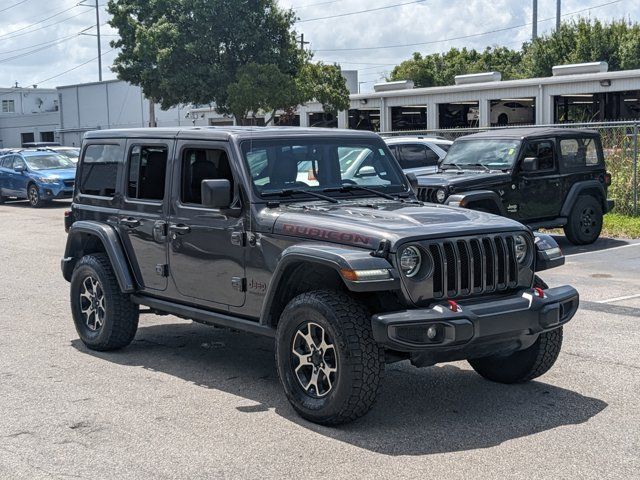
(523, 365)
(328, 362)
(503, 119)
(33, 195)
(585, 221)
(104, 317)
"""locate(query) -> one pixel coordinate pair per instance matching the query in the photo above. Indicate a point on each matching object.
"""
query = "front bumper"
(479, 327)
(51, 191)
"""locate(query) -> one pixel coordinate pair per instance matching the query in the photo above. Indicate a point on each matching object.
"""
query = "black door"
(142, 219)
(206, 246)
(538, 194)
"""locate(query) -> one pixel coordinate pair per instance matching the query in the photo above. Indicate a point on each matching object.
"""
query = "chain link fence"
(621, 151)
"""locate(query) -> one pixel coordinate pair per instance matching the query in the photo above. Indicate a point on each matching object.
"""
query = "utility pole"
(302, 42)
(99, 46)
(558, 14)
(534, 29)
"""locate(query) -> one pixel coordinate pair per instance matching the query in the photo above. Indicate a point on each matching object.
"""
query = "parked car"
(543, 177)
(510, 113)
(215, 225)
(37, 176)
(418, 155)
(72, 153)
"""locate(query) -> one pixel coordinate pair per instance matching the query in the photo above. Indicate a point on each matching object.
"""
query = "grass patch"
(621, 226)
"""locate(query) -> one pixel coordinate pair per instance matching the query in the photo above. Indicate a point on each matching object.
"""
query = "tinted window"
(578, 153)
(147, 172)
(200, 164)
(543, 151)
(99, 169)
(416, 156)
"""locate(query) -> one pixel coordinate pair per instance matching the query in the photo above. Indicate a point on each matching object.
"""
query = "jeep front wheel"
(33, 195)
(328, 362)
(585, 221)
(104, 317)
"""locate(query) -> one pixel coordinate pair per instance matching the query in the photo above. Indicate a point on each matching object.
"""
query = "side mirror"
(20, 168)
(216, 193)
(413, 182)
(530, 164)
(366, 171)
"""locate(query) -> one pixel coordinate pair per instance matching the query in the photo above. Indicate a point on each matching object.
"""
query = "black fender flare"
(336, 257)
(466, 198)
(110, 240)
(577, 189)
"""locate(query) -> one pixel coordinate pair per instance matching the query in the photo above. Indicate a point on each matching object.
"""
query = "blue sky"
(28, 56)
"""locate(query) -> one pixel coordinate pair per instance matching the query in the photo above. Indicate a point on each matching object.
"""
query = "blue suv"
(37, 176)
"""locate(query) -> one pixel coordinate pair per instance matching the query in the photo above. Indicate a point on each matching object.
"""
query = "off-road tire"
(120, 321)
(526, 364)
(585, 221)
(33, 196)
(360, 360)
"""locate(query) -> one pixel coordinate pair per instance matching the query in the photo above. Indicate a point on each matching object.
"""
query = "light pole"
(97, 7)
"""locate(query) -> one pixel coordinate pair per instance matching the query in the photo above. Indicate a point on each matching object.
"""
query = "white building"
(27, 115)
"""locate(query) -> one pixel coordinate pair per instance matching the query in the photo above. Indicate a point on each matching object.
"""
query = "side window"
(543, 151)
(200, 164)
(578, 153)
(147, 172)
(18, 162)
(416, 156)
(99, 169)
(7, 162)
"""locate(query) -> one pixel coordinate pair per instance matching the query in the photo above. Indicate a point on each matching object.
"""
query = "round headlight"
(410, 261)
(441, 195)
(522, 248)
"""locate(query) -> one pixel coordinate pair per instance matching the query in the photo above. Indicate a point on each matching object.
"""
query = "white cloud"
(432, 20)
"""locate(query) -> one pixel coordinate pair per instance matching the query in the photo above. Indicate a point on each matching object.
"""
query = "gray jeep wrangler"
(264, 231)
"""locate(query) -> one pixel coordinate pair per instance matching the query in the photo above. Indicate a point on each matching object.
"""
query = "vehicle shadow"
(420, 411)
(48, 205)
(602, 243)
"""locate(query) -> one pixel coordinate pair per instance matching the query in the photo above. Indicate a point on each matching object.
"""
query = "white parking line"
(604, 250)
(619, 299)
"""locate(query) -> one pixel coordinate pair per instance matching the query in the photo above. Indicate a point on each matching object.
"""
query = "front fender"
(337, 257)
(548, 252)
(467, 198)
(77, 238)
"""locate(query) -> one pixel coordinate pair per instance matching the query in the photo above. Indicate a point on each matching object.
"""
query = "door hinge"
(239, 284)
(162, 269)
(238, 239)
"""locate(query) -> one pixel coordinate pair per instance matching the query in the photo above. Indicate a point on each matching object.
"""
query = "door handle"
(180, 229)
(129, 222)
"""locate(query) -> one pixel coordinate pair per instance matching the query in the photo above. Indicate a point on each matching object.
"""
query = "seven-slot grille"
(470, 266)
(427, 194)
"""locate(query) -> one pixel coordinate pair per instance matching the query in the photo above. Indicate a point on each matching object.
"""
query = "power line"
(14, 5)
(44, 26)
(38, 22)
(314, 4)
(13, 50)
(51, 44)
(74, 68)
(461, 37)
(369, 10)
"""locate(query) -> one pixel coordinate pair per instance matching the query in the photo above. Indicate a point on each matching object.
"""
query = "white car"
(418, 155)
(511, 113)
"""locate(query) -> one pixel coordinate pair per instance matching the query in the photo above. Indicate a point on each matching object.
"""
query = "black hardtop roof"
(531, 132)
(226, 133)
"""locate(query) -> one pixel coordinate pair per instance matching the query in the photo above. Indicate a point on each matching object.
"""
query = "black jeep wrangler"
(263, 230)
(542, 177)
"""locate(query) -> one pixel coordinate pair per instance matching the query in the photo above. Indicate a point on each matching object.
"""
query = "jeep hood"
(458, 180)
(366, 223)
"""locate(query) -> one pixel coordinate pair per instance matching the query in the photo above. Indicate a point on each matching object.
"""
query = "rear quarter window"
(577, 153)
(99, 169)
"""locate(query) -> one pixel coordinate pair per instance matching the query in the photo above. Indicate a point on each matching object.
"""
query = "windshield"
(48, 162)
(71, 153)
(319, 163)
(498, 154)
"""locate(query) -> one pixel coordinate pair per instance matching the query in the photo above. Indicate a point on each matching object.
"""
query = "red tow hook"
(538, 292)
(453, 306)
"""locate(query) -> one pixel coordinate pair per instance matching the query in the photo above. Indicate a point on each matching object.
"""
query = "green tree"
(190, 51)
(324, 84)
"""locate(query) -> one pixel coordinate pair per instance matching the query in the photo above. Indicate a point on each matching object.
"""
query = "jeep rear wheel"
(585, 221)
(104, 317)
(328, 363)
(526, 364)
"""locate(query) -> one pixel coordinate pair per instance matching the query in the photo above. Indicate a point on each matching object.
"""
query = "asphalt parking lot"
(190, 401)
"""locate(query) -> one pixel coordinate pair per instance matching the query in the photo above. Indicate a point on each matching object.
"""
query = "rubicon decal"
(325, 234)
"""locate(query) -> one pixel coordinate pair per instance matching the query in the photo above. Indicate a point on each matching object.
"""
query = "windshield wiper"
(349, 188)
(481, 165)
(447, 164)
(287, 192)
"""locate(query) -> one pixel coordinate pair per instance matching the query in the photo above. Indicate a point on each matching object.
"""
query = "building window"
(46, 137)
(408, 118)
(8, 106)
(27, 137)
(323, 119)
